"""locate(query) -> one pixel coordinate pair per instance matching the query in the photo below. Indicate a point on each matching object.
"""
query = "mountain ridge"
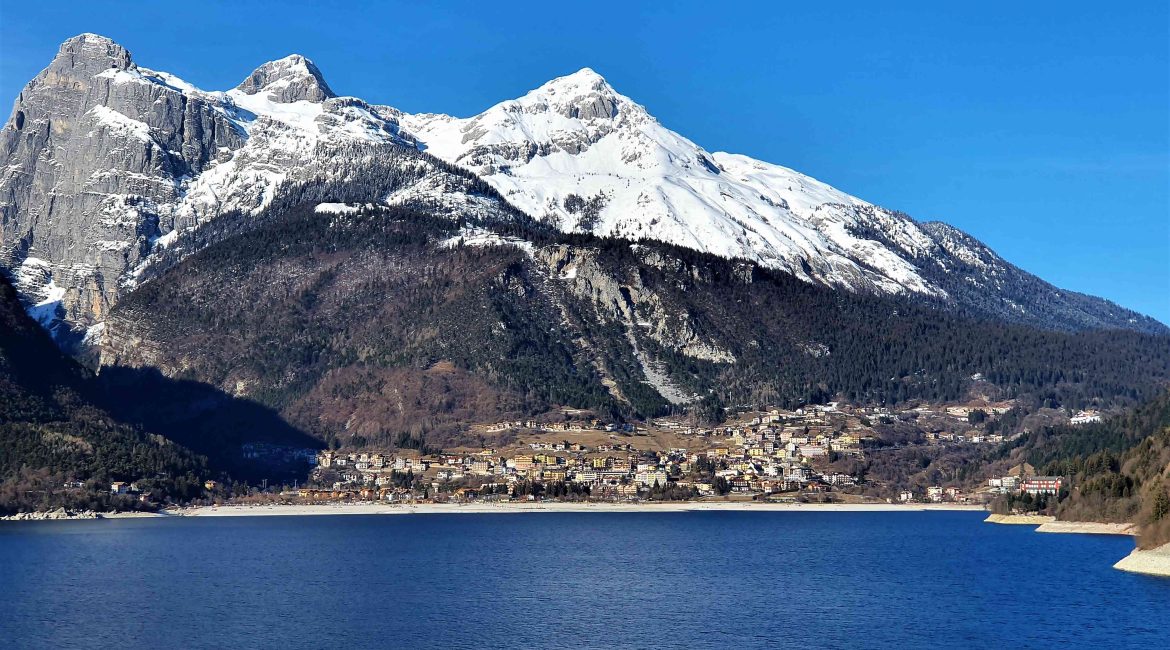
(534, 150)
(114, 171)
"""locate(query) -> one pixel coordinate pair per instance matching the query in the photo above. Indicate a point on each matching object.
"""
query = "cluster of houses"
(568, 426)
(974, 438)
(764, 453)
(1011, 484)
(762, 456)
(856, 422)
(936, 494)
(127, 488)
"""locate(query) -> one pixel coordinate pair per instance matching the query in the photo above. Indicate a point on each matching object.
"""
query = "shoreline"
(1151, 562)
(86, 515)
(521, 508)
(1154, 562)
(1088, 528)
(1019, 520)
(1050, 524)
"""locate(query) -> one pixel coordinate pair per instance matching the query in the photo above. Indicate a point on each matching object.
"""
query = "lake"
(572, 580)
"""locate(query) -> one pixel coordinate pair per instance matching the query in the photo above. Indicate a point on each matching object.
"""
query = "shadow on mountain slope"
(208, 421)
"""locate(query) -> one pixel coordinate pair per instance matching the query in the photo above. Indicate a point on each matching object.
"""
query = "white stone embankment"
(1047, 524)
(1020, 520)
(1154, 561)
(484, 508)
(52, 515)
(1087, 528)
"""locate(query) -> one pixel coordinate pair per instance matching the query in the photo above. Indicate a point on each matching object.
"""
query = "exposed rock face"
(291, 79)
(87, 159)
(104, 165)
(628, 301)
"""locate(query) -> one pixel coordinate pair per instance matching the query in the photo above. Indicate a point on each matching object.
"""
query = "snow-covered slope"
(576, 153)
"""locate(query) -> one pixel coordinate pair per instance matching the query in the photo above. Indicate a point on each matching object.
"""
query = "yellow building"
(522, 463)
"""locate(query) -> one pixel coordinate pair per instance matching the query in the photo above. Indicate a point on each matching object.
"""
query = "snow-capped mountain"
(576, 153)
(106, 165)
(582, 156)
(111, 172)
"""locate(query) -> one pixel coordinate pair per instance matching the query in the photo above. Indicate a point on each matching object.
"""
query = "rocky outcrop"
(291, 79)
(105, 165)
(624, 298)
(52, 515)
(86, 158)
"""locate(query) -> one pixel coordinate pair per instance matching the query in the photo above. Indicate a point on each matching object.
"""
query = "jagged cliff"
(109, 165)
(91, 154)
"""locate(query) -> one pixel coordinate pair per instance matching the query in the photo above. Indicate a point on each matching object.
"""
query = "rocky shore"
(61, 514)
(1155, 561)
(52, 515)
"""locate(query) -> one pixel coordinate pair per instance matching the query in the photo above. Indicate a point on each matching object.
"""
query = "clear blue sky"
(1042, 128)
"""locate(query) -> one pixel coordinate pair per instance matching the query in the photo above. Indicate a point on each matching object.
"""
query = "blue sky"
(1041, 128)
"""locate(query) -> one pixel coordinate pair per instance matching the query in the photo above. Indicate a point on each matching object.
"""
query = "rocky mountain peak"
(582, 95)
(91, 53)
(583, 78)
(291, 79)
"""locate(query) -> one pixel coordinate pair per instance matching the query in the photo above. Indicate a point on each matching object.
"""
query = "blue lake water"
(572, 580)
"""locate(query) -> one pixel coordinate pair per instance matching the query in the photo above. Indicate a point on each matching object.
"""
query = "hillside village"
(786, 454)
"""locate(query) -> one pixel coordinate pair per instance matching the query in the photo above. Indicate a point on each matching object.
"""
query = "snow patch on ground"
(116, 122)
(337, 208)
(48, 309)
(94, 334)
(480, 237)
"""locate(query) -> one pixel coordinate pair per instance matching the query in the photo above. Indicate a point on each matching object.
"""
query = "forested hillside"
(51, 433)
(1119, 468)
(363, 325)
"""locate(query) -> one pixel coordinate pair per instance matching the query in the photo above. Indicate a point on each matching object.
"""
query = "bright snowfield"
(578, 154)
(574, 139)
(276, 135)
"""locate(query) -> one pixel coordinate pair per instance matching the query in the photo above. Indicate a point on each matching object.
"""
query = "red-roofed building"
(1043, 484)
